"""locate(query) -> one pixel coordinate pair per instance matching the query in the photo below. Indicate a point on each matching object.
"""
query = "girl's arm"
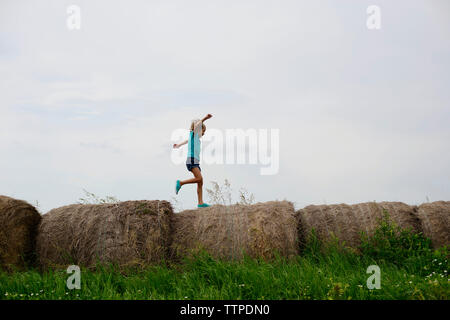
(176, 146)
(208, 116)
(198, 124)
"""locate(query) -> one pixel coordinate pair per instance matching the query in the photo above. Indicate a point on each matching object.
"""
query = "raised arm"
(208, 116)
(198, 124)
(176, 146)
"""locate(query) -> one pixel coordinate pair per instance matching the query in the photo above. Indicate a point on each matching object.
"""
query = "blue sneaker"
(177, 187)
(204, 205)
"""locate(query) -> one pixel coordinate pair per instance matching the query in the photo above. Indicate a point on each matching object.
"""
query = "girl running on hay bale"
(198, 129)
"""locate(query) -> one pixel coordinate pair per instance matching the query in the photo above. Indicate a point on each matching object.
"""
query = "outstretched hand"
(208, 116)
(175, 146)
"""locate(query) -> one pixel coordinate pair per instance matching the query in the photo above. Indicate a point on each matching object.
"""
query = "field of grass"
(410, 269)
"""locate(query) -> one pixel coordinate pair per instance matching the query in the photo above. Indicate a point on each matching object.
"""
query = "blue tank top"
(193, 155)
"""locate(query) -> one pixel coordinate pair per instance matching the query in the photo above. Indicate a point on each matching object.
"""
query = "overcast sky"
(363, 114)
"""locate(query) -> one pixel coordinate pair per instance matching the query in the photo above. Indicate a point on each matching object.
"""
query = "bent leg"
(197, 177)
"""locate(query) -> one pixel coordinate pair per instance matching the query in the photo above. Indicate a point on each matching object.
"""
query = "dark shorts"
(192, 163)
(192, 166)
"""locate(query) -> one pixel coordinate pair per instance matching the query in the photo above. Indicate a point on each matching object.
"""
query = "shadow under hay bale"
(435, 220)
(262, 230)
(130, 233)
(346, 222)
(18, 227)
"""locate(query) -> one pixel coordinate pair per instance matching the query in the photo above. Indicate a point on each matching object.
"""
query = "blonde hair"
(193, 123)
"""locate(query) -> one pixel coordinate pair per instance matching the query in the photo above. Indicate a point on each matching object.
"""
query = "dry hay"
(262, 230)
(18, 225)
(345, 222)
(435, 219)
(127, 233)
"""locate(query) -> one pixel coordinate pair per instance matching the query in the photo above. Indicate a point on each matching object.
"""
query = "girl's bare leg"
(198, 179)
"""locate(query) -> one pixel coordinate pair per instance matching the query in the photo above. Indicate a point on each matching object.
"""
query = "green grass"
(410, 269)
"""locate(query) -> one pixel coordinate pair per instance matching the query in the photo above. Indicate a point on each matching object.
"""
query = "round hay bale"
(328, 222)
(127, 233)
(435, 219)
(346, 222)
(18, 226)
(261, 230)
